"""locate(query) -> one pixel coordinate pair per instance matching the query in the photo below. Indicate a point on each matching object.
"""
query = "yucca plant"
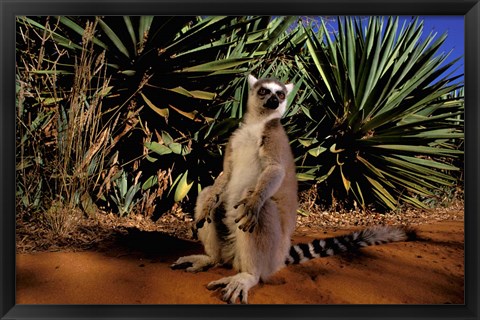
(382, 121)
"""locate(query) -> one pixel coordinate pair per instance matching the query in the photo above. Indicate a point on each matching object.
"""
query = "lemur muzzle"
(272, 103)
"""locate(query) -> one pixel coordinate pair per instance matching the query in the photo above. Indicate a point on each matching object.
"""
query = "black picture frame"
(470, 9)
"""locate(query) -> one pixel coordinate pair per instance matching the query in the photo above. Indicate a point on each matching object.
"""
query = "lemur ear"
(251, 81)
(289, 88)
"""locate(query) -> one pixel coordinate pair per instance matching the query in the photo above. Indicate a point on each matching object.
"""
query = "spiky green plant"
(381, 122)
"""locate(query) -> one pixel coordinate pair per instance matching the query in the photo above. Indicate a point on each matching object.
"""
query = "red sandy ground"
(429, 270)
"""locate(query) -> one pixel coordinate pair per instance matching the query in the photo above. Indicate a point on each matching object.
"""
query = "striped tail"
(348, 243)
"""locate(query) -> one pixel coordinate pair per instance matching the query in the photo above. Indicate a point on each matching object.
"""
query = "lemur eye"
(281, 94)
(263, 91)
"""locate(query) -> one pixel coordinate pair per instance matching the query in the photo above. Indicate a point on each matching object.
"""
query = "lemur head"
(267, 98)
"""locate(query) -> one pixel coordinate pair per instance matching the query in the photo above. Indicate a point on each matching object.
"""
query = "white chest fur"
(246, 166)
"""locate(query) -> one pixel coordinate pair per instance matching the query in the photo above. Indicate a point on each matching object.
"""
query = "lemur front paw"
(209, 206)
(250, 212)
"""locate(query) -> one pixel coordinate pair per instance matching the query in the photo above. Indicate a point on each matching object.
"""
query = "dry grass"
(66, 139)
(63, 144)
(60, 220)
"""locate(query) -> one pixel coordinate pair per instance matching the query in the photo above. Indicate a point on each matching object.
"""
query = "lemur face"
(270, 94)
(271, 98)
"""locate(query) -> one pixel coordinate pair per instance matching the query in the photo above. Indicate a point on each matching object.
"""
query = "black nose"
(272, 103)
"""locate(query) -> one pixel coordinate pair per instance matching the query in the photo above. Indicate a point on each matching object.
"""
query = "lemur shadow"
(155, 245)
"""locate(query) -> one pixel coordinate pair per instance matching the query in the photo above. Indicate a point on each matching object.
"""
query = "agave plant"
(381, 118)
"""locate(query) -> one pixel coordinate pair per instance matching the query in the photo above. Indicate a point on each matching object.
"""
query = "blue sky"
(455, 28)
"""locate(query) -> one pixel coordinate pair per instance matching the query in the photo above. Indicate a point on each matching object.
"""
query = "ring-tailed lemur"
(250, 210)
